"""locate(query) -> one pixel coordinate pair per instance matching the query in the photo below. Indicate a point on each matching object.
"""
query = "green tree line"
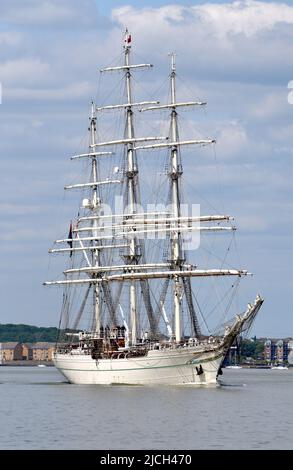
(27, 333)
(252, 349)
(32, 334)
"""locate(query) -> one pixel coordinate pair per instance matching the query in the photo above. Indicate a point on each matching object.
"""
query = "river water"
(39, 410)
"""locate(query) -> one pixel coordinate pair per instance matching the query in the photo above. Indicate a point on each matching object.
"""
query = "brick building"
(41, 351)
(10, 351)
(277, 350)
(13, 351)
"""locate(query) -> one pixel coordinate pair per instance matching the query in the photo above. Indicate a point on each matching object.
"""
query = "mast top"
(173, 61)
(127, 40)
(93, 111)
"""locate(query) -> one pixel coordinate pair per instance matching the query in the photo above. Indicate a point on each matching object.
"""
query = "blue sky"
(236, 55)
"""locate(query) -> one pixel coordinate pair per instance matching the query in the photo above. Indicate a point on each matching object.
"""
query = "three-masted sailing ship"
(128, 318)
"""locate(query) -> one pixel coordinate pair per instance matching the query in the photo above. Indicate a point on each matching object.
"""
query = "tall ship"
(131, 310)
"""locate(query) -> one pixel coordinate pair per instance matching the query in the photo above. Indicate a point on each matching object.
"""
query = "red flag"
(127, 39)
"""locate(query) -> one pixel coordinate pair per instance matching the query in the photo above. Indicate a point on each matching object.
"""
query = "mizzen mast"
(177, 255)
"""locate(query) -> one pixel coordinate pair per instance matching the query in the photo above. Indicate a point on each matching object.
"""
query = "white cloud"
(48, 12)
(271, 105)
(248, 16)
(24, 70)
(239, 17)
(9, 38)
(7, 209)
(20, 234)
(71, 91)
(240, 39)
(252, 223)
(232, 139)
(282, 135)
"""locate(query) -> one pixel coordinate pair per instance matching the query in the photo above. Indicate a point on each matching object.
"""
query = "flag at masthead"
(127, 39)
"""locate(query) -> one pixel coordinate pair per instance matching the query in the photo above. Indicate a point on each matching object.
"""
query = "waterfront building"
(277, 350)
(268, 352)
(41, 351)
(10, 351)
(27, 351)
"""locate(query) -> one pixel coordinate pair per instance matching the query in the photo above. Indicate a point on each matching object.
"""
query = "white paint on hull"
(168, 367)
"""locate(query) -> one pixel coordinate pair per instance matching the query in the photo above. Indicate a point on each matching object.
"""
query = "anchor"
(199, 370)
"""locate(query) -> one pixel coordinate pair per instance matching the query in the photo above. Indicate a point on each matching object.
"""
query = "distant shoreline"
(27, 363)
(51, 364)
(245, 366)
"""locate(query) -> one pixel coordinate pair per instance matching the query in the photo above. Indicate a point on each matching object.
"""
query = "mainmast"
(95, 203)
(175, 173)
(131, 174)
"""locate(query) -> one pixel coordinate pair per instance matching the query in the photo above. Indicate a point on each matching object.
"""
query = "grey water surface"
(39, 410)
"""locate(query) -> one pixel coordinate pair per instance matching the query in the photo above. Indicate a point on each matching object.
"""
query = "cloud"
(54, 13)
(242, 37)
(271, 105)
(246, 17)
(24, 70)
(232, 140)
(7, 209)
(76, 90)
(9, 38)
(20, 234)
(51, 49)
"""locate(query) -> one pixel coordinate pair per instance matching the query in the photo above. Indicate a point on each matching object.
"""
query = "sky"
(237, 55)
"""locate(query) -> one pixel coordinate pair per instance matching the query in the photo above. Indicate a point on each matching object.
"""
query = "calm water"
(38, 410)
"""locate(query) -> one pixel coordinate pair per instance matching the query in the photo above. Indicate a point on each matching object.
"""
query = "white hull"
(169, 366)
(196, 365)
